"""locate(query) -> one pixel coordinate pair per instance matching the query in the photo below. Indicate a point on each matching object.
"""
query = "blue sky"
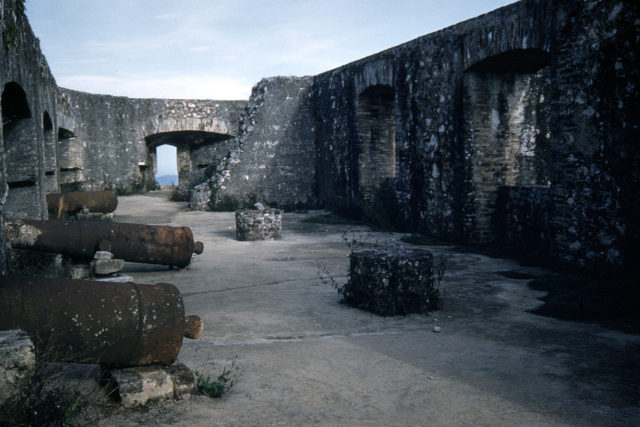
(166, 160)
(218, 49)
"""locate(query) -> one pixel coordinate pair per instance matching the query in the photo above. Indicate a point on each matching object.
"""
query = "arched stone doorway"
(196, 152)
(506, 128)
(20, 135)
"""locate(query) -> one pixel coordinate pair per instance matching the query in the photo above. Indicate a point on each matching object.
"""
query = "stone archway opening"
(376, 146)
(20, 137)
(195, 152)
(506, 128)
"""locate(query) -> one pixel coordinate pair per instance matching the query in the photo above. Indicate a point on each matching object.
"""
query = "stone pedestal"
(105, 267)
(102, 265)
(265, 224)
(17, 361)
(75, 270)
(141, 385)
(391, 282)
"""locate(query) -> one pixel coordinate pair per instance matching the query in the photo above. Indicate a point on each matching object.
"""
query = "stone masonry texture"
(258, 224)
(391, 282)
(519, 125)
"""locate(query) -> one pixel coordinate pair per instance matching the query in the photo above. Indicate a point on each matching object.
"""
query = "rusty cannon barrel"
(114, 324)
(72, 202)
(151, 244)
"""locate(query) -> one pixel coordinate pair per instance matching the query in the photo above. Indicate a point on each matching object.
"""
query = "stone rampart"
(537, 93)
(111, 140)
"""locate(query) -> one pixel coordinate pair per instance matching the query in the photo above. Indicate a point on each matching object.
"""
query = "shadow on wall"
(376, 149)
(20, 142)
(71, 161)
(50, 155)
(506, 129)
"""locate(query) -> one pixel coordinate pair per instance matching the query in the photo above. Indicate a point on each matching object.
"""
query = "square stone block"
(141, 385)
(391, 282)
(103, 267)
(263, 224)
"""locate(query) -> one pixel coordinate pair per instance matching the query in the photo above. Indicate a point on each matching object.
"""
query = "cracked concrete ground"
(306, 359)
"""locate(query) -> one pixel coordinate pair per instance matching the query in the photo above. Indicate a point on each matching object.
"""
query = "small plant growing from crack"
(217, 386)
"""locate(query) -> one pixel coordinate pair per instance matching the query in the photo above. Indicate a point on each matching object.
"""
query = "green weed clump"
(217, 386)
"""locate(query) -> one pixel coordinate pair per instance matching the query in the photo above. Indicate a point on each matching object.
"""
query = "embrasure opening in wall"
(65, 134)
(50, 156)
(376, 148)
(506, 124)
(184, 142)
(71, 160)
(47, 125)
(18, 132)
(20, 144)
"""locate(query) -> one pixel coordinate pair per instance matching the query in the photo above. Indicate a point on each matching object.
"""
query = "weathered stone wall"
(537, 93)
(594, 150)
(112, 137)
(28, 97)
(275, 159)
(434, 174)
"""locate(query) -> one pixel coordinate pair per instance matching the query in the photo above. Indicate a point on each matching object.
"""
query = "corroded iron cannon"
(114, 324)
(152, 244)
(72, 202)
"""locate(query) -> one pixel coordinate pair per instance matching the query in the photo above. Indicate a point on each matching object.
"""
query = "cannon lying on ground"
(152, 244)
(73, 202)
(114, 324)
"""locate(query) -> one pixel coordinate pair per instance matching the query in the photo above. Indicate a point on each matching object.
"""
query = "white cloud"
(190, 87)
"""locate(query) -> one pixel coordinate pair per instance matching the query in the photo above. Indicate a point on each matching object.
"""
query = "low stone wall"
(258, 224)
(391, 282)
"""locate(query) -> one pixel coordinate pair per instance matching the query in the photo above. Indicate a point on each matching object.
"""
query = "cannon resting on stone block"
(73, 202)
(151, 244)
(114, 324)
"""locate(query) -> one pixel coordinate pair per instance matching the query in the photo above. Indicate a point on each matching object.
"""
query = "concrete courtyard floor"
(306, 359)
